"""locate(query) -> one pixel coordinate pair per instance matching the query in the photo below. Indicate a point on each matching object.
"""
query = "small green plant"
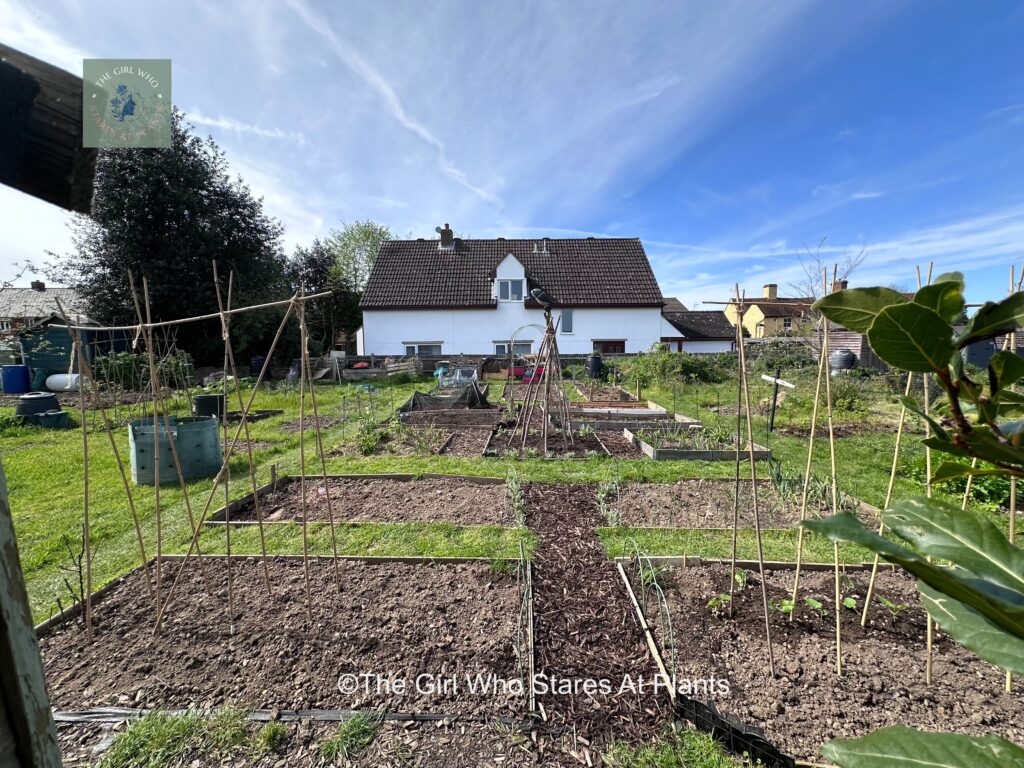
(228, 731)
(649, 574)
(352, 737)
(516, 498)
(816, 606)
(585, 431)
(741, 576)
(608, 495)
(159, 738)
(850, 602)
(719, 602)
(271, 737)
(785, 607)
(895, 609)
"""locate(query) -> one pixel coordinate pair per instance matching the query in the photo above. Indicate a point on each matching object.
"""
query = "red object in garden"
(533, 374)
(361, 365)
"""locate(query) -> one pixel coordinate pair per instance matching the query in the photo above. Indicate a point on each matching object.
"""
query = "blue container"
(15, 379)
(196, 439)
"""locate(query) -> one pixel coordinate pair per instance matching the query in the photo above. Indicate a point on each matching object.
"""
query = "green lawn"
(44, 473)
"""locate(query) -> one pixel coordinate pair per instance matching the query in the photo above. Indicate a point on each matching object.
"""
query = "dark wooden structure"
(41, 132)
(42, 156)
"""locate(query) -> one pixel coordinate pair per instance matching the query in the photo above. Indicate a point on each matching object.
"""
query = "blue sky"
(730, 136)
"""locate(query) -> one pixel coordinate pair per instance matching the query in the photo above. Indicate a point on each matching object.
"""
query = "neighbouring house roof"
(590, 272)
(783, 307)
(30, 304)
(711, 324)
(674, 305)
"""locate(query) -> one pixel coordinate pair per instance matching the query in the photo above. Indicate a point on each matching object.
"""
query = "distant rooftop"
(37, 301)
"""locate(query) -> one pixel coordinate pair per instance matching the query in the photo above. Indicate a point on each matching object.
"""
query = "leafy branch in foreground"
(970, 575)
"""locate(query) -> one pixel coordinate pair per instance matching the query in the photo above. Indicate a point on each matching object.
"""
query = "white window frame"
(506, 285)
(418, 345)
(524, 347)
(561, 322)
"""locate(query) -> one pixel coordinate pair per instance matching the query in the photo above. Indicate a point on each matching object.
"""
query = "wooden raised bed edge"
(75, 609)
(217, 518)
(694, 561)
(682, 454)
(739, 738)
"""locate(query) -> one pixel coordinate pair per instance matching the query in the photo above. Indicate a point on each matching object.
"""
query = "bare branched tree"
(840, 265)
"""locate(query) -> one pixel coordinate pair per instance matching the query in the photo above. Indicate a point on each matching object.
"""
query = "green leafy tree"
(355, 247)
(313, 270)
(970, 576)
(166, 214)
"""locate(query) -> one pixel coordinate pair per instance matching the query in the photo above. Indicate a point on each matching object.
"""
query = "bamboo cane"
(888, 498)
(753, 488)
(230, 355)
(154, 386)
(227, 466)
(930, 636)
(835, 490)
(822, 359)
(86, 547)
(86, 374)
(736, 473)
(173, 443)
(302, 459)
(323, 464)
(227, 457)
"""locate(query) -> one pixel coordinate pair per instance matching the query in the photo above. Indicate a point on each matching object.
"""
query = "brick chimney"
(841, 285)
(447, 238)
(38, 285)
(771, 291)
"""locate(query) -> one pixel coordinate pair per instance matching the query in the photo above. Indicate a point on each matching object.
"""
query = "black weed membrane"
(472, 396)
(738, 738)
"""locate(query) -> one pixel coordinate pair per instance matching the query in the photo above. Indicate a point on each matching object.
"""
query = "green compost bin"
(196, 439)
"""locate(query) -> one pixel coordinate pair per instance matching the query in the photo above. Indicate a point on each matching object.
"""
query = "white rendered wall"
(475, 331)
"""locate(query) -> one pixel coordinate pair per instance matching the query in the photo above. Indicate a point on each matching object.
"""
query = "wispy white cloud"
(196, 116)
(351, 58)
(32, 31)
(972, 242)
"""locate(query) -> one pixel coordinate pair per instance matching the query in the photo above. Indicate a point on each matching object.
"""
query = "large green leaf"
(912, 337)
(990, 600)
(974, 631)
(1005, 368)
(960, 536)
(954, 470)
(946, 298)
(981, 442)
(993, 319)
(856, 308)
(902, 747)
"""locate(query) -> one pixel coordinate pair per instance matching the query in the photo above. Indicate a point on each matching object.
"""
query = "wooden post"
(27, 732)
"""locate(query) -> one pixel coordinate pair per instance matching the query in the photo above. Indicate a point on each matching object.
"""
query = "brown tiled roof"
(590, 272)
(711, 324)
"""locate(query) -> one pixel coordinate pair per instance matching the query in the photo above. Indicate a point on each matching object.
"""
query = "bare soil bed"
(701, 503)
(466, 443)
(397, 440)
(386, 501)
(582, 445)
(585, 626)
(807, 704)
(390, 619)
(604, 392)
(456, 417)
(309, 423)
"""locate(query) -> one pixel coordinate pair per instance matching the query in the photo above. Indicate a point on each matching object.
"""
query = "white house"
(697, 332)
(453, 296)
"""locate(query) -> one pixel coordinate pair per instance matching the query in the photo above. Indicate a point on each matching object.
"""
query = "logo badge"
(126, 103)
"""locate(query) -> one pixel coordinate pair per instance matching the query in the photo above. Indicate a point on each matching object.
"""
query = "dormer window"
(510, 290)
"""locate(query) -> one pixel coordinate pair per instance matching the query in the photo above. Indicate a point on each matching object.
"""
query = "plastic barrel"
(15, 379)
(197, 441)
(208, 405)
(62, 382)
(841, 360)
(256, 365)
(594, 366)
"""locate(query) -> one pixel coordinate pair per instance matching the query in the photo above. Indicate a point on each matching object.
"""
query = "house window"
(787, 323)
(5, 325)
(519, 348)
(610, 346)
(510, 290)
(566, 323)
(423, 350)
